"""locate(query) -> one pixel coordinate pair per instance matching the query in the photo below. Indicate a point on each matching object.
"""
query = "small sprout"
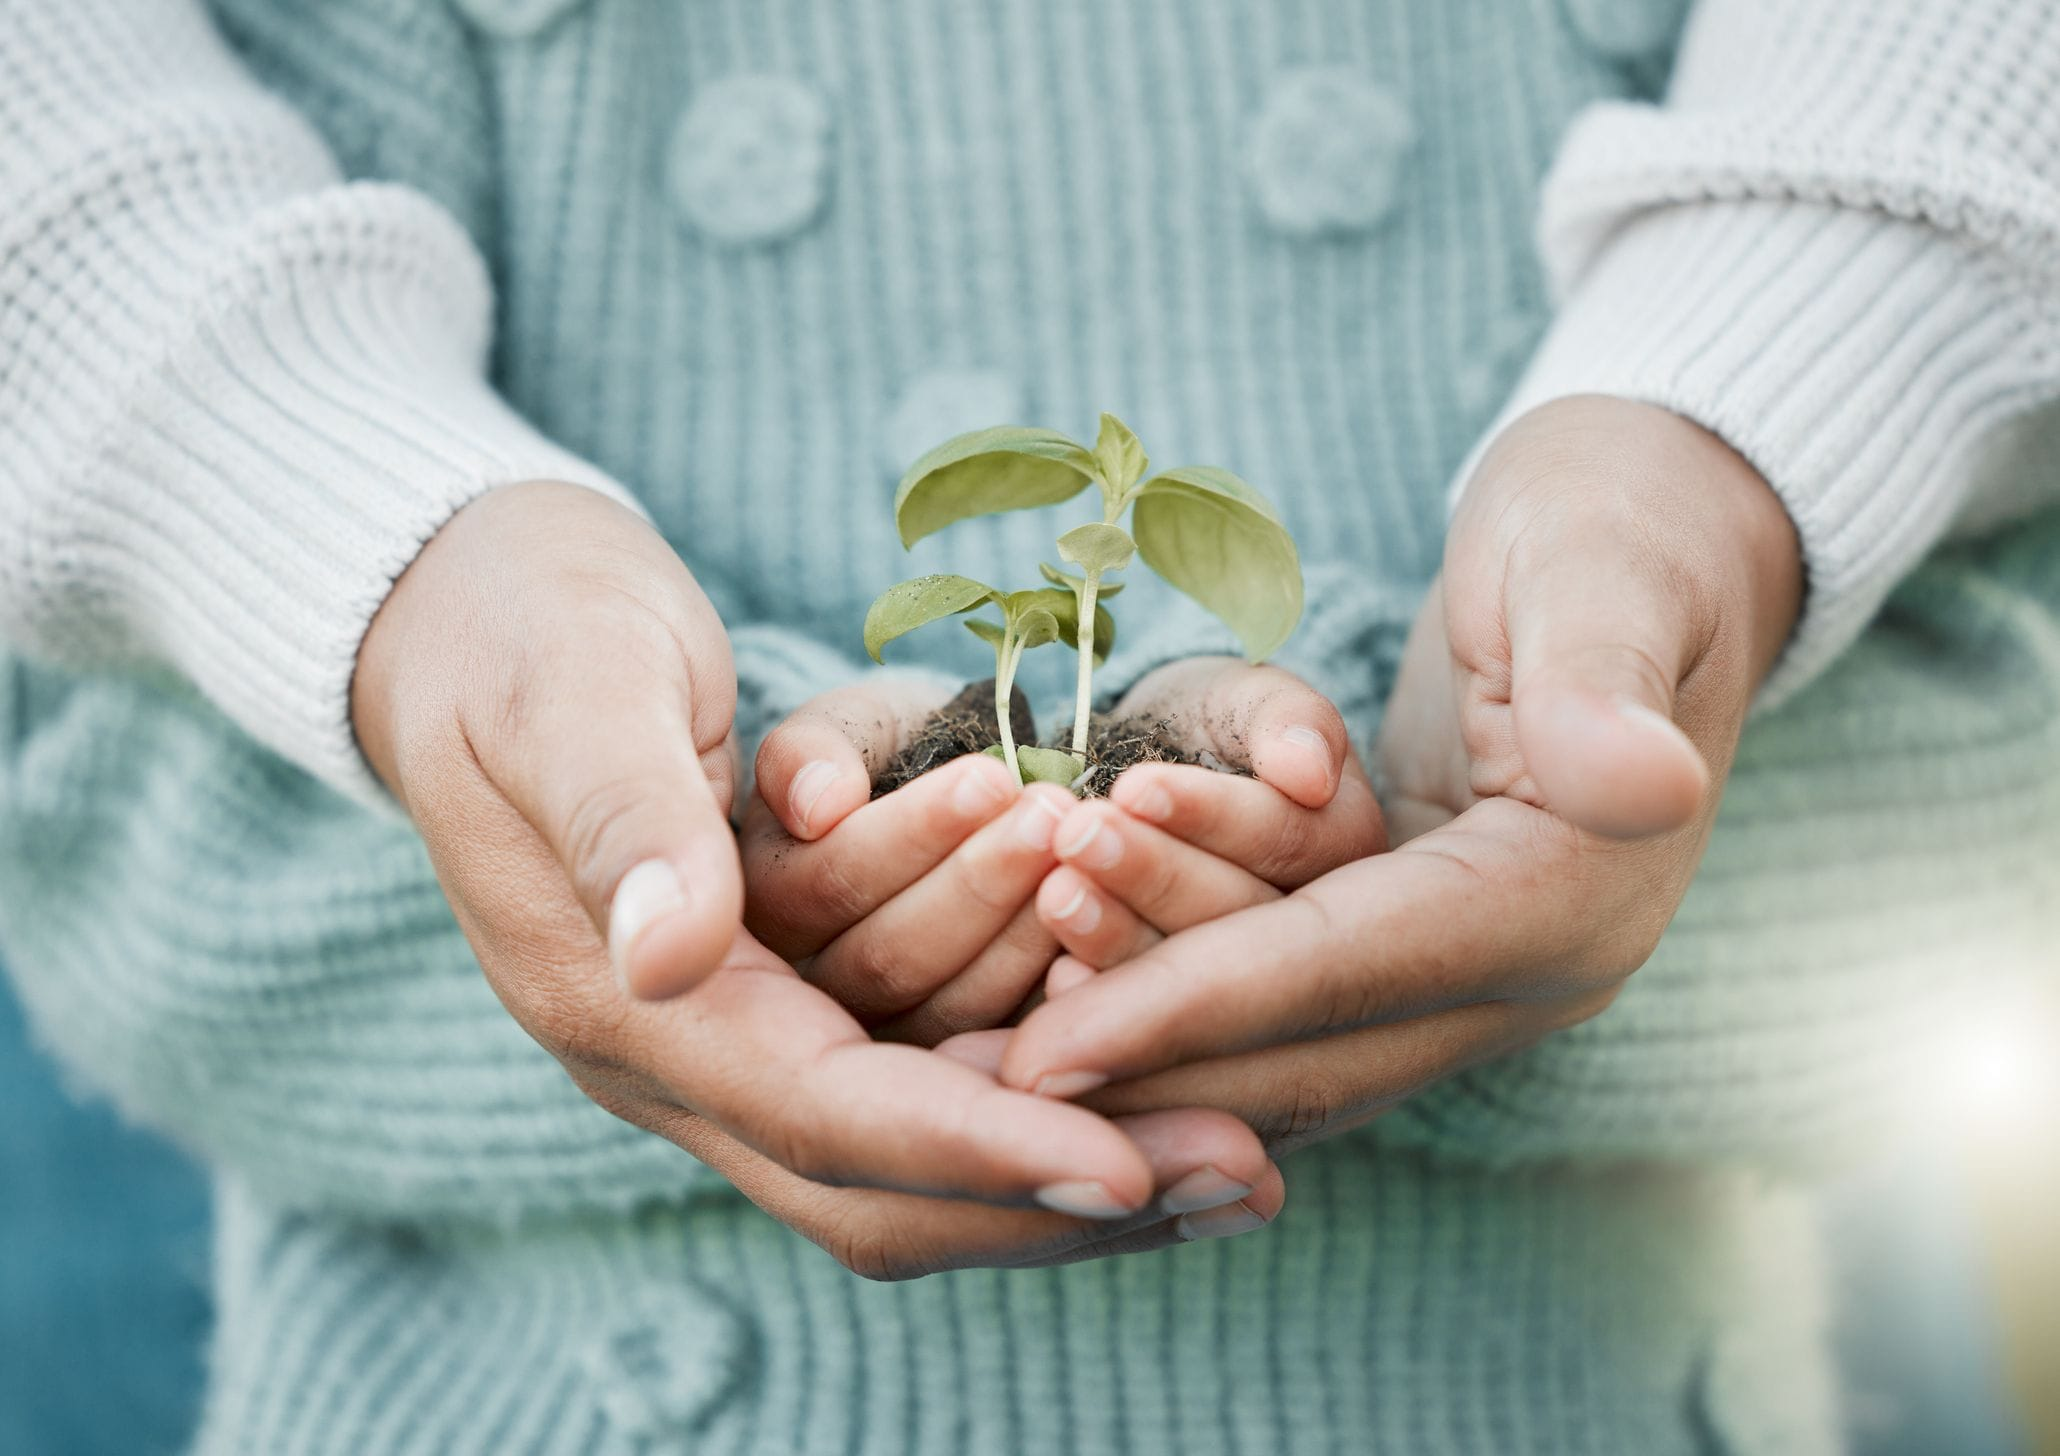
(1203, 530)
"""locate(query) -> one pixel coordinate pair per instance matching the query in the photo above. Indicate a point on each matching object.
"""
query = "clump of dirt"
(966, 725)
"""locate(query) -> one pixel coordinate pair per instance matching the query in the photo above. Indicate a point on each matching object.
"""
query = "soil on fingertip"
(966, 725)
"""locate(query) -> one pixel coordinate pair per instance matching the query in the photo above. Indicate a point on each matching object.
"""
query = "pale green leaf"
(1007, 468)
(1050, 766)
(1121, 458)
(911, 604)
(1097, 547)
(1215, 538)
(1065, 607)
(1059, 578)
(1035, 628)
(986, 631)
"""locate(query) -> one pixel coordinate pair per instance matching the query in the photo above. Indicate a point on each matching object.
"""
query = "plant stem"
(1005, 659)
(1083, 696)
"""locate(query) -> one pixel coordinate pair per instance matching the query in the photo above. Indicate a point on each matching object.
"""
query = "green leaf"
(1007, 468)
(1097, 547)
(1121, 458)
(1218, 540)
(1050, 765)
(1035, 628)
(1059, 578)
(987, 632)
(1065, 607)
(911, 604)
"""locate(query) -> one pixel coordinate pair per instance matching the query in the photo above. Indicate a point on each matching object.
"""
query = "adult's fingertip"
(672, 921)
(1609, 762)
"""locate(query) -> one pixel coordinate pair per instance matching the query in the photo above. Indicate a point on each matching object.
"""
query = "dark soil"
(966, 725)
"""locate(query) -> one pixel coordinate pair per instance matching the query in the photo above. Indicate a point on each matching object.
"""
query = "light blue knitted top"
(752, 256)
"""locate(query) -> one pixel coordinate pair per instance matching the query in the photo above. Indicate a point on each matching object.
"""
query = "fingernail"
(1083, 1199)
(1205, 1187)
(1037, 818)
(1307, 738)
(807, 790)
(1218, 1223)
(646, 895)
(1094, 847)
(1152, 803)
(977, 793)
(1068, 1084)
(1081, 913)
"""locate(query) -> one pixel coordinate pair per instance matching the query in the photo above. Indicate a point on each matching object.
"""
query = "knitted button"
(943, 403)
(665, 1372)
(1326, 152)
(513, 19)
(1628, 30)
(751, 158)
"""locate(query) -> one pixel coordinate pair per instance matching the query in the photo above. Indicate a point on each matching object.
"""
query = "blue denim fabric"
(103, 1267)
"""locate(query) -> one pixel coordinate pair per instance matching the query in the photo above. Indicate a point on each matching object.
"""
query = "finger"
(776, 1064)
(1599, 642)
(1093, 925)
(923, 937)
(805, 895)
(632, 814)
(1168, 883)
(1493, 906)
(985, 993)
(1301, 1093)
(819, 765)
(1264, 719)
(1066, 973)
(898, 1235)
(1245, 1215)
(1246, 822)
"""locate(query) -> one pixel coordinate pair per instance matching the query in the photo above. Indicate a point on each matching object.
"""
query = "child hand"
(1176, 844)
(916, 909)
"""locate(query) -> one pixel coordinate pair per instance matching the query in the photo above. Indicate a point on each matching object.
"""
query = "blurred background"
(1947, 1262)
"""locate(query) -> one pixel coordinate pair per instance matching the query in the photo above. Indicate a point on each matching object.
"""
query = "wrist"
(1754, 538)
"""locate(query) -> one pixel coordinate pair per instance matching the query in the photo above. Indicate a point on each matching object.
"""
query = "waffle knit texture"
(283, 286)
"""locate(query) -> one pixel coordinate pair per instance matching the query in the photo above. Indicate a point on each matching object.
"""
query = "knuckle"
(882, 1253)
(833, 893)
(870, 975)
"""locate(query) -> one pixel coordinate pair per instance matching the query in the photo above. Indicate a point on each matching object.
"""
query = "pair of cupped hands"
(824, 999)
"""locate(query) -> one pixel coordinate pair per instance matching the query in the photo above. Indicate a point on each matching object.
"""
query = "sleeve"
(1836, 245)
(237, 394)
(1875, 916)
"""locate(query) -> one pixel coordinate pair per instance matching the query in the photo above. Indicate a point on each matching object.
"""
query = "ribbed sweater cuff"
(1858, 360)
(288, 458)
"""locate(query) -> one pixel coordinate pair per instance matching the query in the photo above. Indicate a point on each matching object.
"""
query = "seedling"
(1203, 530)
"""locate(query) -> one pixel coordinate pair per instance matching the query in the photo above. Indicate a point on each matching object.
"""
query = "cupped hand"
(920, 910)
(1175, 844)
(549, 695)
(1617, 583)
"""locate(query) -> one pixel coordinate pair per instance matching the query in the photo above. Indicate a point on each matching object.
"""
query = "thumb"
(1260, 718)
(818, 766)
(1598, 646)
(629, 781)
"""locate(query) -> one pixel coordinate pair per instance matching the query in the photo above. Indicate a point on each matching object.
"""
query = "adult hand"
(549, 694)
(1616, 584)
(919, 910)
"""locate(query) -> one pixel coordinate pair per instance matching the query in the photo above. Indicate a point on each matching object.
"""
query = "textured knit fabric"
(749, 255)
